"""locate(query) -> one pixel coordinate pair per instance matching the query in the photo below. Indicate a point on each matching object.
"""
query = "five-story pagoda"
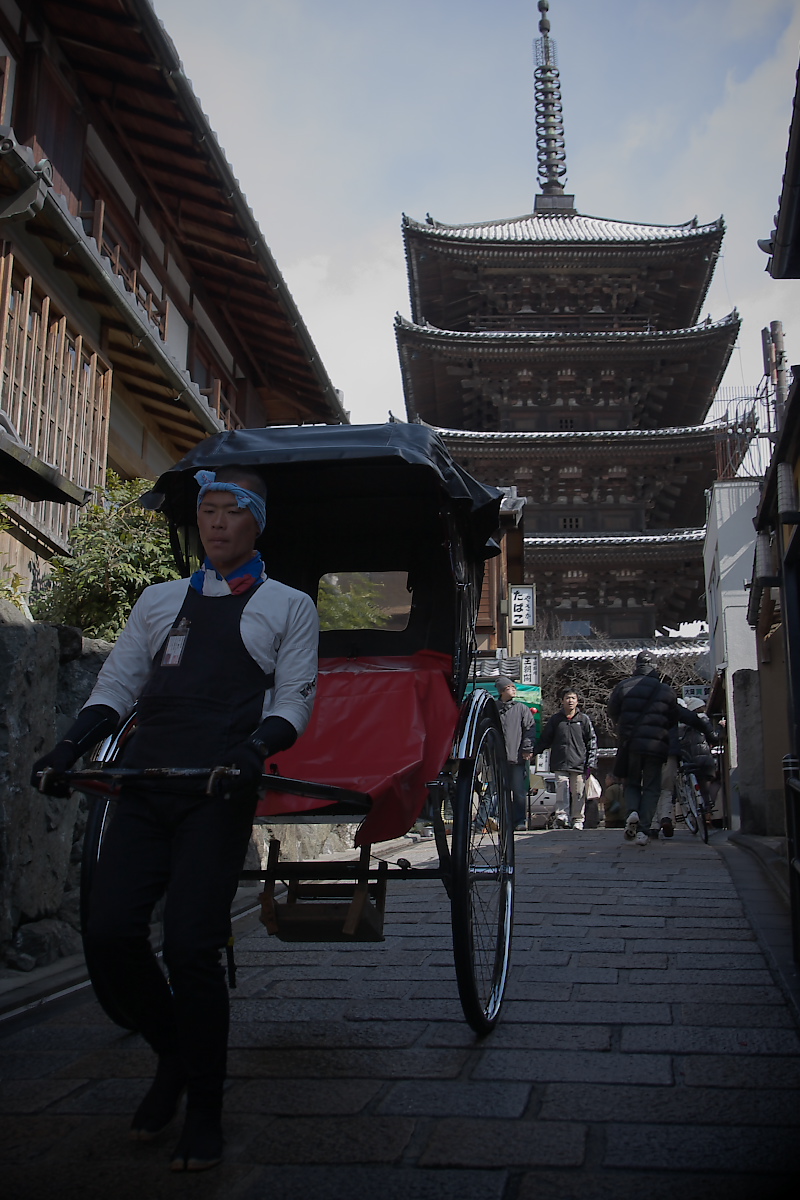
(563, 354)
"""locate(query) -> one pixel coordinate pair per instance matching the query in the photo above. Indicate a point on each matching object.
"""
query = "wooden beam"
(106, 51)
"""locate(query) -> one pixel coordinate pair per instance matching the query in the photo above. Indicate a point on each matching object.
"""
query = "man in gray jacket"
(517, 719)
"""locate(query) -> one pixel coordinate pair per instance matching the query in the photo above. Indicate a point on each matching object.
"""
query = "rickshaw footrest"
(321, 922)
(310, 914)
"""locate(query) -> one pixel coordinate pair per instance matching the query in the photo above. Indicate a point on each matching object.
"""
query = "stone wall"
(760, 805)
(46, 674)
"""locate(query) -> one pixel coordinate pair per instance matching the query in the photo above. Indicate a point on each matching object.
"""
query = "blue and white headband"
(244, 497)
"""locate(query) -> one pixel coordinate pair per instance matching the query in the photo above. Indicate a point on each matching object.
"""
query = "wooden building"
(140, 307)
(566, 355)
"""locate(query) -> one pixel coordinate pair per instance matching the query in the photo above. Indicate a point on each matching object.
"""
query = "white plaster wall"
(728, 561)
(730, 538)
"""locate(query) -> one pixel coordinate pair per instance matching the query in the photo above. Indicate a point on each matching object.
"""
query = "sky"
(340, 115)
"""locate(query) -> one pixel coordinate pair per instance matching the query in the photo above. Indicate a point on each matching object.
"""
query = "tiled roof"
(668, 537)
(571, 436)
(564, 229)
(505, 337)
(658, 647)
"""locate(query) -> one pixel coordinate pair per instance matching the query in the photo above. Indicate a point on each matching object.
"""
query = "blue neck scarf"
(242, 579)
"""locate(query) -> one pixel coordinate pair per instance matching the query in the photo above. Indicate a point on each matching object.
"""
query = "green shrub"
(354, 608)
(118, 549)
(12, 585)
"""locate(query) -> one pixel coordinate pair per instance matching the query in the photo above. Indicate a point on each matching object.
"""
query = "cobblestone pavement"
(645, 1052)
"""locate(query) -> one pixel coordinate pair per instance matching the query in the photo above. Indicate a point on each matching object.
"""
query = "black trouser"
(643, 786)
(191, 848)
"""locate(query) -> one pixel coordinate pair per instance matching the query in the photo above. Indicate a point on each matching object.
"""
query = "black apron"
(205, 692)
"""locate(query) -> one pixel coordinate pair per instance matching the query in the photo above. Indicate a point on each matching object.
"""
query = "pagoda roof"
(677, 538)
(527, 438)
(542, 272)
(560, 230)
(666, 471)
(659, 647)
(680, 369)
(663, 570)
(488, 340)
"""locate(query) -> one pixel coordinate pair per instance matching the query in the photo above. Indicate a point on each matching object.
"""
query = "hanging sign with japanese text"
(529, 669)
(522, 607)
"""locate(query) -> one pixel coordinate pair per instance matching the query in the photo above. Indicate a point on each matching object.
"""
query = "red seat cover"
(383, 726)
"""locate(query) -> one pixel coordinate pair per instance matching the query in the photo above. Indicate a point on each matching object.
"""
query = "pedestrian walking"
(517, 720)
(222, 668)
(644, 710)
(688, 744)
(570, 737)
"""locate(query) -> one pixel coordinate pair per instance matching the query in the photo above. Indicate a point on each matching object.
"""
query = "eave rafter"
(134, 90)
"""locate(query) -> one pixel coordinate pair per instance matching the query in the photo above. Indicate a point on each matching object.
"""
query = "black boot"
(200, 1144)
(157, 1110)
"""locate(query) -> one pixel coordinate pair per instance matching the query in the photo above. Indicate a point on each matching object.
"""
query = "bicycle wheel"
(703, 819)
(101, 813)
(692, 810)
(482, 879)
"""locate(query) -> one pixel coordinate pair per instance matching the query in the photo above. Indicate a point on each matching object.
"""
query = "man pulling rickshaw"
(222, 668)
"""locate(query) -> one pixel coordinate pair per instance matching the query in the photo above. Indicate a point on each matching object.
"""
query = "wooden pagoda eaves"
(672, 375)
(588, 575)
(129, 75)
(595, 270)
(515, 443)
(660, 474)
(603, 547)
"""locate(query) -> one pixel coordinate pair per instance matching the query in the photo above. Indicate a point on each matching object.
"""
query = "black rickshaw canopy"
(332, 464)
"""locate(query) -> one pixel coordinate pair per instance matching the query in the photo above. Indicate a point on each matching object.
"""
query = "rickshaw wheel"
(101, 812)
(482, 879)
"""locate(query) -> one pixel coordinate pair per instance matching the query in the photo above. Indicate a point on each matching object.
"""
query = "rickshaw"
(355, 513)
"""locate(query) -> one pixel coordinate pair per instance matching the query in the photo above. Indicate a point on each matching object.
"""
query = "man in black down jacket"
(644, 710)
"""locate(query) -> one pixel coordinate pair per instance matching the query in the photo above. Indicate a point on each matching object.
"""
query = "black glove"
(60, 759)
(94, 723)
(249, 760)
(272, 735)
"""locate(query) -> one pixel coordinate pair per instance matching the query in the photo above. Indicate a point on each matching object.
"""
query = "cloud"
(351, 306)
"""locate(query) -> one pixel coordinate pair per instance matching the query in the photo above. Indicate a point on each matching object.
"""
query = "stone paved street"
(645, 1052)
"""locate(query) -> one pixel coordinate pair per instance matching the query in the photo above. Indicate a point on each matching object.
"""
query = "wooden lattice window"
(56, 392)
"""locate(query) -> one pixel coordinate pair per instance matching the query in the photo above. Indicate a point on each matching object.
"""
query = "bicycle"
(694, 804)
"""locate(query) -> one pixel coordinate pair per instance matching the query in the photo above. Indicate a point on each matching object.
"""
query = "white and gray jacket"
(279, 629)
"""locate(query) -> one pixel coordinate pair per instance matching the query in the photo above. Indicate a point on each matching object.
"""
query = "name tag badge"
(173, 651)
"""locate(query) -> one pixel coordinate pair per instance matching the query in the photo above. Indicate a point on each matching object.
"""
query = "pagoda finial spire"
(550, 151)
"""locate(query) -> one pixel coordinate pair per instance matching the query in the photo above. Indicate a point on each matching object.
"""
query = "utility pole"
(775, 367)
